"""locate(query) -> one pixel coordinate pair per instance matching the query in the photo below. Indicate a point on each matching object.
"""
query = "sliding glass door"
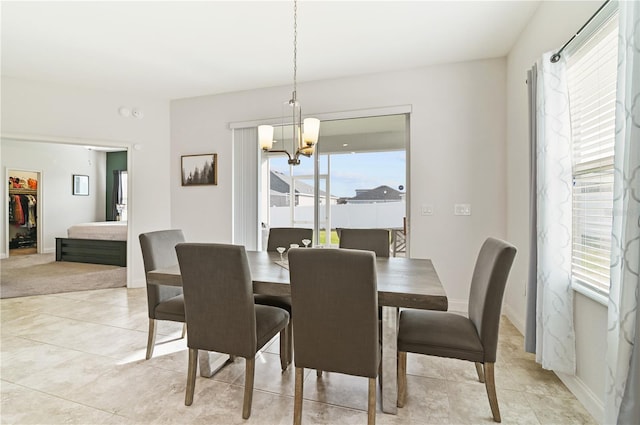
(356, 179)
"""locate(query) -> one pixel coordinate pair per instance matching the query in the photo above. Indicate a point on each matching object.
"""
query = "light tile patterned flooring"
(79, 358)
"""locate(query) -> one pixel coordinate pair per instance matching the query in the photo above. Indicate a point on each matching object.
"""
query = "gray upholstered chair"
(283, 236)
(164, 302)
(335, 304)
(475, 339)
(376, 240)
(221, 314)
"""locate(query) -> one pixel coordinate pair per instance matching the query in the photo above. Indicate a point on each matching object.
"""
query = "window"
(124, 177)
(591, 75)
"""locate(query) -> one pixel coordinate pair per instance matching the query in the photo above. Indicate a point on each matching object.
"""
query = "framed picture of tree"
(198, 170)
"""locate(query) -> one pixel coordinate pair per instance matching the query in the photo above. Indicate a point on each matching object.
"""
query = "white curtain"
(622, 398)
(245, 187)
(555, 340)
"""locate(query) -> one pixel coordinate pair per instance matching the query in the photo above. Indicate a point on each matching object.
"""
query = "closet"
(23, 212)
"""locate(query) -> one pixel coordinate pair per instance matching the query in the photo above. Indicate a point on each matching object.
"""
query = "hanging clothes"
(11, 209)
(24, 201)
(31, 220)
(18, 212)
(23, 210)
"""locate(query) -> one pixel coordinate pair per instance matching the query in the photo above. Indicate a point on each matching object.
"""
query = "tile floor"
(79, 358)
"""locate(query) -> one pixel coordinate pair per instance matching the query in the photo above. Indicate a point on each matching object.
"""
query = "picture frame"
(80, 185)
(199, 170)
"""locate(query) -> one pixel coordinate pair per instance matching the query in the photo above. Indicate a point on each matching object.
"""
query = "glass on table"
(306, 242)
(281, 251)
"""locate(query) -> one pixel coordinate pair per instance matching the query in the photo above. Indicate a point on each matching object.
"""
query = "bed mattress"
(103, 230)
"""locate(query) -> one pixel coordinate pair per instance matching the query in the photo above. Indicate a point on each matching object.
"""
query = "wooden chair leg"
(480, 372)
(290, 346)
(248, 387)
(297, 402)
(184, 330)
(490, 385)
(191, 376)
(371, 411)
(151, 340)
(284, 348)
(318, 373)
(402, 378)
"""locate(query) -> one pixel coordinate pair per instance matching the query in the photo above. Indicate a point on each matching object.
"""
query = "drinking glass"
(306, 242)
(281, 250)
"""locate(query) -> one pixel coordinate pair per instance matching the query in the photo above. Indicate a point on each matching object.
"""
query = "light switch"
(462, 209)
(427, 209)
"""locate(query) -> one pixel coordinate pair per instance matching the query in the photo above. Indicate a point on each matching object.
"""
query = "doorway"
(58, 160)
(23, 212)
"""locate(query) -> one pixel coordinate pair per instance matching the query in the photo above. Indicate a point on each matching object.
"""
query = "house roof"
(281, 183)
(380, 193)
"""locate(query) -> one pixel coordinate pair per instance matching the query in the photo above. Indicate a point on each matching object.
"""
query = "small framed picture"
(198, 170)
(80, 185)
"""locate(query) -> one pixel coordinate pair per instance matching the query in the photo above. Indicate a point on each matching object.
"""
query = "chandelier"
(305, 133)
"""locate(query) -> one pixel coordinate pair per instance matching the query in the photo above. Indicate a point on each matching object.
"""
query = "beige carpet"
(40, 274)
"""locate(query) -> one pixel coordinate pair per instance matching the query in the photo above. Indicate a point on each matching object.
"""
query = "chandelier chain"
(304, 143)
(295, 44)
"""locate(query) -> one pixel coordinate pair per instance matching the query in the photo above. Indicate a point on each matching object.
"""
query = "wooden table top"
(402, 282)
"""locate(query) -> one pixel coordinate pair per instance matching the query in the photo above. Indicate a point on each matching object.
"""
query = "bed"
(103, 242)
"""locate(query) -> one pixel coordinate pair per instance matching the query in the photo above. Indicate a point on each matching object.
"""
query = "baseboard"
(589, 400)
(514, 318)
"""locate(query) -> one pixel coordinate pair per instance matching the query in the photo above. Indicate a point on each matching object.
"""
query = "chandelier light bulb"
(265, 136)
(311, 131)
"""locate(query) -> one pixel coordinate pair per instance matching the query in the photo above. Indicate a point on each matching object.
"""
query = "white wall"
(56, 163)
(91, 116)
(457, 154)
(552, 25)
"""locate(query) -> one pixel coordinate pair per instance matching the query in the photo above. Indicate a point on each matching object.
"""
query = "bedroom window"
(125, 185)
(591, 74)
(120, 194)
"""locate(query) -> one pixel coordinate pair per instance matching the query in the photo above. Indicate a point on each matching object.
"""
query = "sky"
(364, 170)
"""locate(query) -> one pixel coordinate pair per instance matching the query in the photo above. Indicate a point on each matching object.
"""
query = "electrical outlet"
(462, 209)
(427, 209)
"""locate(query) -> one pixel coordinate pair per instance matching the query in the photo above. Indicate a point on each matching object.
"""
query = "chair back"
(285, 236)
(487, 289)
(376, 240)
(218, 298)
(335, 305)
(158, 251)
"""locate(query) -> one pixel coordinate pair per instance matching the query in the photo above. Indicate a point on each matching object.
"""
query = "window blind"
(591, 75)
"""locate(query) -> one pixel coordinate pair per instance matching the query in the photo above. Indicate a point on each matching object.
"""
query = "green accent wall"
(115, 161)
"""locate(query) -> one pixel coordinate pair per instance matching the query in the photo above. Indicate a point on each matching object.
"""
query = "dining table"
(401, 283)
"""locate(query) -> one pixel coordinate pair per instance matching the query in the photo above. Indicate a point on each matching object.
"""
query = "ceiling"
(178, 49)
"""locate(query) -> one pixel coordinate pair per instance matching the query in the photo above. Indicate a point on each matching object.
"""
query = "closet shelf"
(16, 191)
